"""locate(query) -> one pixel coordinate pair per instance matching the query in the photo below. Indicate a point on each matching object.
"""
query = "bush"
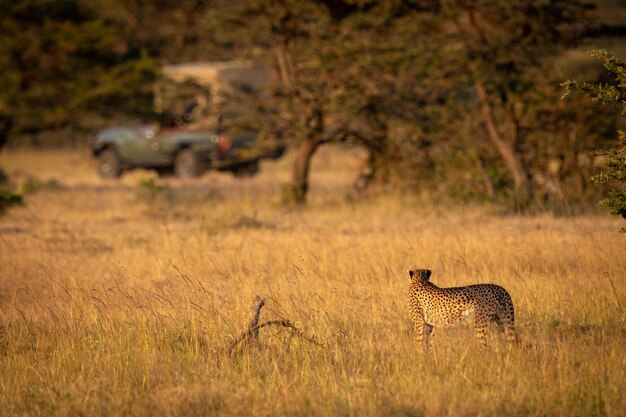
(614, 158)
(8, 199)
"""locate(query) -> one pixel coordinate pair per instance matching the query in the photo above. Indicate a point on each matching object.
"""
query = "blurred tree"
(172, 31)
(61, 63)
(413, 81)
(345, 70)
(614, 158)
(506, 47)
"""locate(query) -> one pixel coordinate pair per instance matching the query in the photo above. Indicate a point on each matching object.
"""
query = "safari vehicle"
(186, 154)
(199, 130)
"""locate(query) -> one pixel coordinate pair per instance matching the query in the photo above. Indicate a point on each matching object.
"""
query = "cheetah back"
(446, 306)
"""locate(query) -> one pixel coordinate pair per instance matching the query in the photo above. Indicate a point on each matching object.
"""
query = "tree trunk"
(6, 124)
(375, 170)
(488, 183)
(295, 192)
(508, 150)
(282, 63)
(366, 173)
(571, 166)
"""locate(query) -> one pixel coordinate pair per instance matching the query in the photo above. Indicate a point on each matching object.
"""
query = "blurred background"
(458, 100)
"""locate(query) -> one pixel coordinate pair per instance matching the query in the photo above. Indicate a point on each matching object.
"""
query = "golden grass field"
(122, 299)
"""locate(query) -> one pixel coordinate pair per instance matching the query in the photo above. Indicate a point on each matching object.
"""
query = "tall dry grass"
(118, 301)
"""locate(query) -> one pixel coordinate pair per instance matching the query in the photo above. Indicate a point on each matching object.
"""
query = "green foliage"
(151, 189)
(614, 172)
(8, 199)
(62, 64)
(32, 185)
(614, 159)
(605, 93)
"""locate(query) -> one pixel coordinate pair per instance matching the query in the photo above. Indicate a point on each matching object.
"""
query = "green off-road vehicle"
(186, 154)
(197, 136)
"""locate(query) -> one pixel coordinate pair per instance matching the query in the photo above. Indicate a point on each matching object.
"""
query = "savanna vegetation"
(124, 299)
(422, 133)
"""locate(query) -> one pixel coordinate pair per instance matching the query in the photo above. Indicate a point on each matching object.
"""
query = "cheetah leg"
(511, 334)
(418, 327)
(482, 322)
(498, 320)
(506, 316)
(429, 335)
(506, 327)
(509, 325)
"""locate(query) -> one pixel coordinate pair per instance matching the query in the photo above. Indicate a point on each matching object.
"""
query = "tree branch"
(254, 327)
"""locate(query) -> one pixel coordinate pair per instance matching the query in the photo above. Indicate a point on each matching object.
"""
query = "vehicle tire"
(246, 171)
(109, 164)
(187, 164)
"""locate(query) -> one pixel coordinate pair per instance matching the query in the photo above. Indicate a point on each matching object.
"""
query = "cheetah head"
(419, 275)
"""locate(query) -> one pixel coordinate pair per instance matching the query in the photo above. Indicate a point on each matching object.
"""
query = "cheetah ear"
(428, 272)
(411, 273)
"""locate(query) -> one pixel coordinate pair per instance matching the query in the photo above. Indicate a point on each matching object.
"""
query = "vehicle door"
(142, 147)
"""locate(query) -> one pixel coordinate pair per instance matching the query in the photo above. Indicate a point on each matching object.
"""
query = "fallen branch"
(254, 327)
(255, 318)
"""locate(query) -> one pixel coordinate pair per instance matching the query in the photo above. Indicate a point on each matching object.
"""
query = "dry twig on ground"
(254, 327)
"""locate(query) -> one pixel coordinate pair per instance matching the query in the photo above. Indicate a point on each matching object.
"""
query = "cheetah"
(431, 306)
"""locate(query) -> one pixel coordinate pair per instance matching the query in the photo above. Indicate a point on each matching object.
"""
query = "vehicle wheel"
(187, 164)
(109, 164)
(247, 171)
